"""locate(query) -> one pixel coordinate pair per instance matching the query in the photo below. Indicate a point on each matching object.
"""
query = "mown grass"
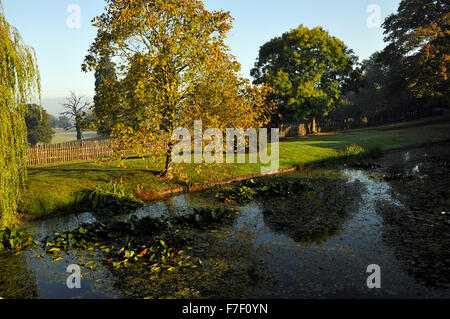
(63, 136)
(54, 189)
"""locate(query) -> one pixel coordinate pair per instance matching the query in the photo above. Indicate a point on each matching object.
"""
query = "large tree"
(75, 108)
(419, 33)
(308, 70)
(106, 81)
(174, 68)
(19, 85)
(39, 129)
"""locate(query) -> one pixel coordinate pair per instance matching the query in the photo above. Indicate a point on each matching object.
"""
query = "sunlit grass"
(63, 136)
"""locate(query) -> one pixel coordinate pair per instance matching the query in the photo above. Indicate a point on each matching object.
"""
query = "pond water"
(315, 246)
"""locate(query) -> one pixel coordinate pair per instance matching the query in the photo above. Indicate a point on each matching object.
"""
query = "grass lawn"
(63, 136)
(51, 189)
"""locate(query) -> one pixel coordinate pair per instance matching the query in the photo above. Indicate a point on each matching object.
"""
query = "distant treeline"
(60, 122)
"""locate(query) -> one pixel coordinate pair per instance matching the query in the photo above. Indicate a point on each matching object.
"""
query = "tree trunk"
(313, 126)
(79, 136)
(168, 168)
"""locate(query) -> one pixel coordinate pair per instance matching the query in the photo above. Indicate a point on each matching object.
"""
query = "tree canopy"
(105, 80)
(173, 68)
(19, 84)
(308, 70)
(39, 129)
(419, 33)
(64, 122)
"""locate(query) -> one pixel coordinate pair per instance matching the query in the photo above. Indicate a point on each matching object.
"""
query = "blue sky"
(60, 49)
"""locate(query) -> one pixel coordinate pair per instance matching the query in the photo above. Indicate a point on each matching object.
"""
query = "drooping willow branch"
(19, 84)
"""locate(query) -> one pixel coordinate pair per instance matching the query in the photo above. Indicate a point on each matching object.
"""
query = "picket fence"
(76, 151)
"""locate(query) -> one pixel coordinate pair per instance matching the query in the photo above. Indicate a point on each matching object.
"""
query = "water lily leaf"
(116, 264)
(163, 243)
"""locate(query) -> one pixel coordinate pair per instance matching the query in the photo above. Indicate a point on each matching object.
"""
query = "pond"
(316, 244)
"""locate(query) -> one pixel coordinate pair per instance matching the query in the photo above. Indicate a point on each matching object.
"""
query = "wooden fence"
(76, 151)
(67, 152)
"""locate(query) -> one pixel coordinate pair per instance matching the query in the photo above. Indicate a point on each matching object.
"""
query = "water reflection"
(17, 280)
(313, 217)
(317, 244)
(417, 231)
(178, 205)
(41, 228)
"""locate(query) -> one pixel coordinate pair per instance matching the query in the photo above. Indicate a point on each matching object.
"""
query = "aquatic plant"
(250, 189)
(353, 150)
(206, 218)
(112, 197)
(159, 258)
(281, 189)
(113, 231)
(14, 240)
(240, 194)
(358, 156)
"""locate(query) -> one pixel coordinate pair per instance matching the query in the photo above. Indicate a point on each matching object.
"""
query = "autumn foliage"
(173, 68)
(419, 32)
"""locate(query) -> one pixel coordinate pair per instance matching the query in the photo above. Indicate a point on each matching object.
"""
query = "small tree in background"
(76, 107)
(39, 129)
(54, 121)
(64, 122)
(308, 71)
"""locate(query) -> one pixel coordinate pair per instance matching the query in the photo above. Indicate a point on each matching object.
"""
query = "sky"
(61, 40)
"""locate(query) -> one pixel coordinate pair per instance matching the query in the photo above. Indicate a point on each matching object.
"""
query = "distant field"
(62, 136)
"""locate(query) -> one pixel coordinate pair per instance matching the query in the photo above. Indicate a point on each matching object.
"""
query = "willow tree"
(19, 84)
(173, 68)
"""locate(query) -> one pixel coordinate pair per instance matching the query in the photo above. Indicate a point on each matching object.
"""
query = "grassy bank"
(56, 189)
